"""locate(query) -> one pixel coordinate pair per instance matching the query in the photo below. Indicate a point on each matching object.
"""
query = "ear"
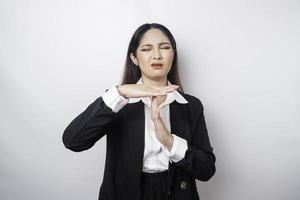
(134, 60)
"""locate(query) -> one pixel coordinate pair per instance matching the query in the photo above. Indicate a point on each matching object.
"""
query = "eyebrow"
(159, 44)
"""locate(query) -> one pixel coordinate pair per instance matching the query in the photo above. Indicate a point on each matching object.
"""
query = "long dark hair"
(132, 73)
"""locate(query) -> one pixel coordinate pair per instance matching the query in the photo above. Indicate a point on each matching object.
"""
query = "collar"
(171, 96)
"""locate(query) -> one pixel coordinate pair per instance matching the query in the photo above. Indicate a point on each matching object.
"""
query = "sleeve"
(114, 100)
(94, 122)
(178, 149)
(199, 159)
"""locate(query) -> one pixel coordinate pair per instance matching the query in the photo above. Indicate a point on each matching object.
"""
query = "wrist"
(119, 88)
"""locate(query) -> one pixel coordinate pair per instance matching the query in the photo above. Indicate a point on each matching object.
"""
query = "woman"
(157, 141)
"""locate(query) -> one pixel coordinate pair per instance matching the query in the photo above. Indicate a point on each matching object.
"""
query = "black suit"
(125, 147)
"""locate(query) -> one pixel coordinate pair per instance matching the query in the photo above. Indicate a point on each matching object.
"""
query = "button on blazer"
(125, 146)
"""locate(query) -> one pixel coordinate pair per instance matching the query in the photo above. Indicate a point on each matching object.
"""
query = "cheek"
(169, 57)
(143, 59)
(144, 68)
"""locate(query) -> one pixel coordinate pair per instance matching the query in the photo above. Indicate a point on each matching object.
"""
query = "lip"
(157, 65)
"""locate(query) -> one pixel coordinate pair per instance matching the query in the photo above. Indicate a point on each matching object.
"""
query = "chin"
(158, 77)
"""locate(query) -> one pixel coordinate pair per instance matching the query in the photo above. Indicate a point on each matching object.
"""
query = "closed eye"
(161, 48)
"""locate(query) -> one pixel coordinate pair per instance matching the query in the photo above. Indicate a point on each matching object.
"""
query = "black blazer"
(125, 147)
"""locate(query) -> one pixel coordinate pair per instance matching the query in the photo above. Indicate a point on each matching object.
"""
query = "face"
(154, 48)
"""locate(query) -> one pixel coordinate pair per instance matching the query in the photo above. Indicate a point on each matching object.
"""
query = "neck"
(163, 81)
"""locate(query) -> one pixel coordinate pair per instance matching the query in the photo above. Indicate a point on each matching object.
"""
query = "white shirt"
(156, 156)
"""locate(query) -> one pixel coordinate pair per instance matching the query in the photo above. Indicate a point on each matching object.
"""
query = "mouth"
(157, 65)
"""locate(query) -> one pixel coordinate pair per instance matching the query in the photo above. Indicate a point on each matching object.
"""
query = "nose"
(157, 54)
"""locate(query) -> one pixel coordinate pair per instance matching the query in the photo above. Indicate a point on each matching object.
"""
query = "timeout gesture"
(142, 90)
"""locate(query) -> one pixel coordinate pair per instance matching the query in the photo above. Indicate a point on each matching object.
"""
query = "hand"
(142, 90)
(161, 132)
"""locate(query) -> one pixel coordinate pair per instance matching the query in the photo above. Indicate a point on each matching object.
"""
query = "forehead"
(154, 36)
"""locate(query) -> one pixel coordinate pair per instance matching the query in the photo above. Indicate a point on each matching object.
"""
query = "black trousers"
(154, 186)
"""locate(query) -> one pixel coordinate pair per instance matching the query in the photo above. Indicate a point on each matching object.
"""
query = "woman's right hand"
(142, 90)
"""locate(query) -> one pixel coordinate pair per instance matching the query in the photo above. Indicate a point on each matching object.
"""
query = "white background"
(240, 57)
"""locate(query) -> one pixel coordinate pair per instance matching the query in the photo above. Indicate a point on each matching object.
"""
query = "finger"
(152, 110)
(154, 102)
(160, 93)
(157, 92)
(171, 88)
(157, 114)
(168, 87)
(154, 107)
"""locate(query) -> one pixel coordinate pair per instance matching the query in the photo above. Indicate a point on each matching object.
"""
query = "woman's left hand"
(161, 132)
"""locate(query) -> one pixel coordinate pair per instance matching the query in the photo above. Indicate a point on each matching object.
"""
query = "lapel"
(179, 121)
(136, 133)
